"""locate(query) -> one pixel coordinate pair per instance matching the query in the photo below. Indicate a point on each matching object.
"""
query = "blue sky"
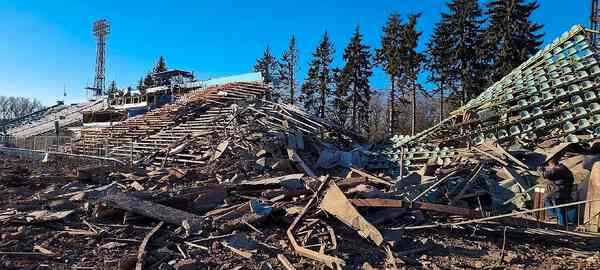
(47, 44)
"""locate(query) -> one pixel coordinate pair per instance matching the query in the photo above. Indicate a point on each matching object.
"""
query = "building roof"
(173, 73)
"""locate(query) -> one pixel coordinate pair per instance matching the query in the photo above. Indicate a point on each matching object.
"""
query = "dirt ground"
(67, 243)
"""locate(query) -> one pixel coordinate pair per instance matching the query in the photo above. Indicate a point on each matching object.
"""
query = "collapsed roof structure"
(552, 95)
(45, 121)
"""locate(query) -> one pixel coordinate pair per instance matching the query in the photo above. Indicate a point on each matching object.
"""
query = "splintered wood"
(216, 178)
(336, 203)
(330, 261)
(142, 250)
(157, 211)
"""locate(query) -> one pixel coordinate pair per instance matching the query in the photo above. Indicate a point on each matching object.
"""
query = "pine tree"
(140, 84)
(148, 81)
(464, 24)
(160, 66)
(439, 63)
(411, 61)
(511, 36)
(358, 69)
(389, 58)
(112, 88)
(340, 103)
(317, 86)
(288, 69)
(309, 91)
(267, 65)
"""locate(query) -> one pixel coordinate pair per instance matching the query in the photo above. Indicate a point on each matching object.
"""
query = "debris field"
(266, 197)
(224, 179)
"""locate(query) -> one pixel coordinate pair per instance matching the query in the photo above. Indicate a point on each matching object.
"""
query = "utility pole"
(64, 96)
(595, 23)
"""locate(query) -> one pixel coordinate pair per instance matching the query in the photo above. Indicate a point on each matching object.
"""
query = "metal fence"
(61, 144)
(67, 144)
(122, 149)
(62, 147)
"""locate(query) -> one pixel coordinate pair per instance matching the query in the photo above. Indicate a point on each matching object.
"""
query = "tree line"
(15, 107)
(471, 47)
(144, 83)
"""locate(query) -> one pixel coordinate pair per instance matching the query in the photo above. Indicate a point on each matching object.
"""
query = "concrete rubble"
(253, 184)
(260, 196)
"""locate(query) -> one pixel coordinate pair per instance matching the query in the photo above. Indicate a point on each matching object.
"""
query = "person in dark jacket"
(559, 183)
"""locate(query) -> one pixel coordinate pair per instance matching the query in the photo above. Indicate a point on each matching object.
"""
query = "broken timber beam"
(330, 261)
(285, 262)
(509, 219)
(293, 156)
(469, 184)
(142, 249)
(160, 212)
(336, 203)
(441, 208)
(434, 185)
(502, 162)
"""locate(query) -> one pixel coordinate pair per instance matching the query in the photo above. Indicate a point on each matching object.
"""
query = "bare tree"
(15, 107)
(426, 114)
(378, 121)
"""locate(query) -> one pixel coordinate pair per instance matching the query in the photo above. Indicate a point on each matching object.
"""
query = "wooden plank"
(440, 208)
(468, 185)
(434, 185)
(237, 251)
(370, 177)
(465, 212)
(592, 209)
(511, 157)
(142, 249)
(157, 211)
(285, 262)
(336, 203)
(329, 261)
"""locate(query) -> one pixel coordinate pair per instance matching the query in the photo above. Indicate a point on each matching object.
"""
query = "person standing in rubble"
(558, 183)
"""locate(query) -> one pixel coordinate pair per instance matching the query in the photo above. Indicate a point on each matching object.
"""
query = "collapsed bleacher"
(164, 125)
(34, 116)
(44, 121)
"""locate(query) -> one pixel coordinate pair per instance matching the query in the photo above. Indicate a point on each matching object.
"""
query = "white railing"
(69, 145)
(60, 144)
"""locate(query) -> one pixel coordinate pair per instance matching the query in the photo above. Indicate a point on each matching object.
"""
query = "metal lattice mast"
(595, 23)
(101, 29)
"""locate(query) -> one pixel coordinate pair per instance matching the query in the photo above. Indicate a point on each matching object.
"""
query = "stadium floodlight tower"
(101, 28)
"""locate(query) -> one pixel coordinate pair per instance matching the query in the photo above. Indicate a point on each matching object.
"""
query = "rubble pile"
(162, 124)
(280, 196)
(553, 95)
(499, 143)
(12, 173)
(248, 140)
(251, 184)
